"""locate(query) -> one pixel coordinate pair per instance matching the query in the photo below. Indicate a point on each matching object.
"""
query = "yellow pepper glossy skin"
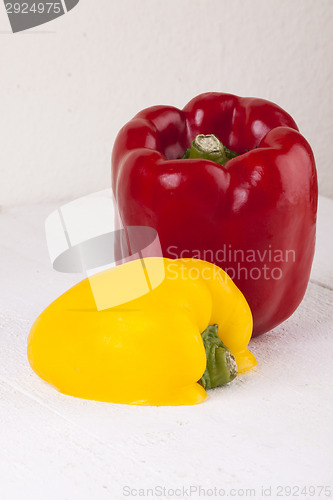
(148, 350)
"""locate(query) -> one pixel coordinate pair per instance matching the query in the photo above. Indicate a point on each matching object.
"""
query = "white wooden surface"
(271, 427)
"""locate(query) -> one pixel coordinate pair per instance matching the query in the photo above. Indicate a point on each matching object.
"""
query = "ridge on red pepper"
(255, 216)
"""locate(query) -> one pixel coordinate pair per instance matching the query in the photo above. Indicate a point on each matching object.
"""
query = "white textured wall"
(65, 94)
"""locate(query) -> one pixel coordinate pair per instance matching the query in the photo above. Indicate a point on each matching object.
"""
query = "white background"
(68, 86)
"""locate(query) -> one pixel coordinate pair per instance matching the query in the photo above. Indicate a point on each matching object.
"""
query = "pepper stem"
(209, 147)
(221, 365)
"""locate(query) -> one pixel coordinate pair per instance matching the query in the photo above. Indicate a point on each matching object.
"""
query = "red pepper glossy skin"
(264, 200)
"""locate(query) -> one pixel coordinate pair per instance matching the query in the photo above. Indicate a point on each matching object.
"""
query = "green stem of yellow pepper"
(221, 364)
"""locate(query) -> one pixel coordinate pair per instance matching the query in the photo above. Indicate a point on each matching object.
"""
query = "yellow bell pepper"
(148, 350)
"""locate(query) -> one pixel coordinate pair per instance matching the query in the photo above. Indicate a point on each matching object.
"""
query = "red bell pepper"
(251, 212)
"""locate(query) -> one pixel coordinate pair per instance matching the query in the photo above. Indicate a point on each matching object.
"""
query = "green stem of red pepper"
(209, 147)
